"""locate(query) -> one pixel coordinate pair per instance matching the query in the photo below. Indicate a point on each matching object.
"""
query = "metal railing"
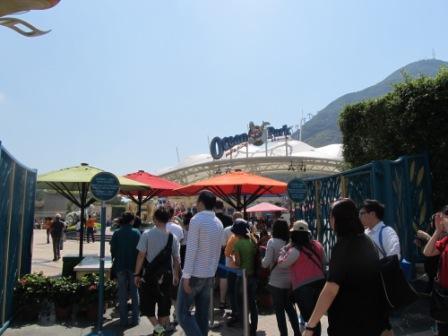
(403, 185)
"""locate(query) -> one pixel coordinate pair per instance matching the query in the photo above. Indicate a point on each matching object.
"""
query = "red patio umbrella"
(158, 187)
(265, 207)
(238, 189)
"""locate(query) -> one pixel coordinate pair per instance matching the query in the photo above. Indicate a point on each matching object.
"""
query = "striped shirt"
(203, 246)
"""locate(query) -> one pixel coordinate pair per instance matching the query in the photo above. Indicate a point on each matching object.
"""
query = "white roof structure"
(282, 159)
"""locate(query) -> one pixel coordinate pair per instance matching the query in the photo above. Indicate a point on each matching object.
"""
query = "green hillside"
(323, 128)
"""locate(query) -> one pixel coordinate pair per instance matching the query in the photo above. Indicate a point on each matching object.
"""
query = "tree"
(411, 119)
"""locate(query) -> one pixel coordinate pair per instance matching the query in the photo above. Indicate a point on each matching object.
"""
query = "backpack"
(397, 292)
(161, 264)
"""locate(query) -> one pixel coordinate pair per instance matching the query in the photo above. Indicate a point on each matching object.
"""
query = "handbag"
(439, 303)
(160, 264)
(397, 291)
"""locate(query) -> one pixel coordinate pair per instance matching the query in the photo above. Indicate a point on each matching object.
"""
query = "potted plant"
(89, 296)
(64, 291)
(29, 293)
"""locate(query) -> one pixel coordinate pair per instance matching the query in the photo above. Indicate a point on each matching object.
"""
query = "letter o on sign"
(216, 148)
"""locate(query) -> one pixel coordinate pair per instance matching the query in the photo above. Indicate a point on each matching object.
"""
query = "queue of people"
(350, 291)
(152, 274)
(182, 256)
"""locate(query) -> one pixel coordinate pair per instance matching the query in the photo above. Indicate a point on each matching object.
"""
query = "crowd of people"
(175, 264)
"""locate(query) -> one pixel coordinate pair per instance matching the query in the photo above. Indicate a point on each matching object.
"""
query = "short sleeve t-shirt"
(153, 241)
(357, 308)
(247, 250)
(442, 275)
(176, 230)
(91, 223)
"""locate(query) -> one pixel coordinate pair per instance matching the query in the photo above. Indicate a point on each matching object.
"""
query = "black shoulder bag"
(396, 290)
(161, 264)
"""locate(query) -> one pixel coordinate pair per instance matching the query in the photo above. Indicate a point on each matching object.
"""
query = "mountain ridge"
(323, 128)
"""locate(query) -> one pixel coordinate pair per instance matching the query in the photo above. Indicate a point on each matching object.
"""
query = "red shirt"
(442, 246)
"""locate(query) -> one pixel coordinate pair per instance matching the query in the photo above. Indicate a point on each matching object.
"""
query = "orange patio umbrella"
(238, 188)
(158, 186)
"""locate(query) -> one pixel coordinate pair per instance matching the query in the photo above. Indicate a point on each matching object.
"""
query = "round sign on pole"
(297, 190)
(104, 186)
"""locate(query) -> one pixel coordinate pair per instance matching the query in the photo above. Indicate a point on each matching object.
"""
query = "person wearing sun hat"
(305, 258)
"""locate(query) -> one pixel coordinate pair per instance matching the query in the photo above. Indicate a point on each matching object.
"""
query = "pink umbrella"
(265, 207)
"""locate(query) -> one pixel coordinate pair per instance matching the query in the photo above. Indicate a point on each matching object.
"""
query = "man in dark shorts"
(161, 272)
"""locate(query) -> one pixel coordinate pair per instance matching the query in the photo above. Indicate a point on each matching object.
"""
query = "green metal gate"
(403, 185)
(17, 192)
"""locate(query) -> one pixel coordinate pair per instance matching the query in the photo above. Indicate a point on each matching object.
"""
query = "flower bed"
(32, 289)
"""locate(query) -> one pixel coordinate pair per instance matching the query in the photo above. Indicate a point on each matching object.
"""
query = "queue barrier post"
(211, 312)
(245, 305)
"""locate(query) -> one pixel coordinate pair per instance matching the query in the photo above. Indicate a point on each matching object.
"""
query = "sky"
(122, 84)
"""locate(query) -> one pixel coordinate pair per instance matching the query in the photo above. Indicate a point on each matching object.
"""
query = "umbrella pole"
(245, 208)
(139, 204)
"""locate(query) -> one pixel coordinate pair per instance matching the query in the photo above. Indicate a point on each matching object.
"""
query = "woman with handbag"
(351, 294)
(438, 245)
(279, 279)
(304, 257)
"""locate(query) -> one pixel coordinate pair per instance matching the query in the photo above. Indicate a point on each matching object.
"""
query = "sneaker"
(159, 330)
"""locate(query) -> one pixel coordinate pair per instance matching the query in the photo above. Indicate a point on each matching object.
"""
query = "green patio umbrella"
(74, 183)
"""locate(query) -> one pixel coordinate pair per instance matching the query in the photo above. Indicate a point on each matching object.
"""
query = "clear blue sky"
(121, 84)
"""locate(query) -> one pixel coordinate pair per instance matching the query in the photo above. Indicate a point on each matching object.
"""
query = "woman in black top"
(352, 292)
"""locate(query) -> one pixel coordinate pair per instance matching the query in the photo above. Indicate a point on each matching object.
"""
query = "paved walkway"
(413, 321)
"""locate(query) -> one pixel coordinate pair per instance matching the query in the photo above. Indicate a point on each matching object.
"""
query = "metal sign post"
(104, 187)
(245, 305)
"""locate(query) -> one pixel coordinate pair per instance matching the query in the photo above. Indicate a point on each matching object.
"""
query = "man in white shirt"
(174, 227)
(384, 237)
(201, 262)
